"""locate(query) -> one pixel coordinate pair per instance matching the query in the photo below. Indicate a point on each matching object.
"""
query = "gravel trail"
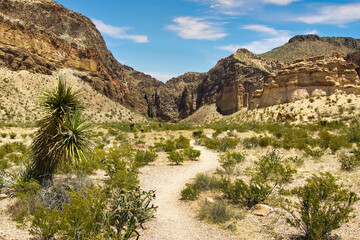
(174, 220)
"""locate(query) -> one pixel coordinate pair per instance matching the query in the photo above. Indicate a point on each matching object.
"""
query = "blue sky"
(166, 38)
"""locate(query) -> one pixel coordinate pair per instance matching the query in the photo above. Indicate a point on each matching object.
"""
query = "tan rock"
(313, 76)
(260, 210)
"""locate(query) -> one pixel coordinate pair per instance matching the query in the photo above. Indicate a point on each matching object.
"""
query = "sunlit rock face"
(309, 78)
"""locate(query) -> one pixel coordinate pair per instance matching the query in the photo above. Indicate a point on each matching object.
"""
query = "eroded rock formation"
(308, 78)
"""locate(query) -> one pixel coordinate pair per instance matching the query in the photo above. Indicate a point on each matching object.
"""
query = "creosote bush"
(270, 172)
(176, 157)
(228, 161)
(217, 212)
(322, 206)
(192, 153)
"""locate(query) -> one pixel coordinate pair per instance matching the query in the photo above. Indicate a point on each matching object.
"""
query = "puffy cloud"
(118, 32)
(334, 14)
(196, 28)
(278, 37)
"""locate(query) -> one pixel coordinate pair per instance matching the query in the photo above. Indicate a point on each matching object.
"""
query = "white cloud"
(278, 38)
(226, 3)
(279, 2)
(314, 31)
(162, 76)
(261, 28)
(334, 14)
(118, 32)
(196, 28)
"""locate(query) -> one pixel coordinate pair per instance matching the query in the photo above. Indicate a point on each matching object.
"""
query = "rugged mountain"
(306, 46)
(310, 77)
(230, 84)
(42, 36)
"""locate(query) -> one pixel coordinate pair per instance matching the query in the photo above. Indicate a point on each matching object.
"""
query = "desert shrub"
(250, 142)
(3, 135)
(333, 142)
(314, 152)
(265, 141)
(229, 160)
(222, 144)
(176, 157)
(128, 212)
(190, 192)
(322, 206)
(192, 153)
(45, 223)
(269, 172)
(297, 160)
(202, 182)
(353, 131)
(182, 142)
(198, 133)
(81, 218)
(12, 135)
(119, 163)
(349, 163)
(217, 212)
(143, 158)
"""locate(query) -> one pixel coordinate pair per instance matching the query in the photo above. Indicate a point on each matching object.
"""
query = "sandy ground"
(174, 218)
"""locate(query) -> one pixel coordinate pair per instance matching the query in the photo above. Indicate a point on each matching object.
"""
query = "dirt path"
(174, 220)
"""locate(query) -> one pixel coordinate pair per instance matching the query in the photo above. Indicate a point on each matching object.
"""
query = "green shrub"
(322, 206)
(349, 163)
(198, 133)
(353, 131)
(120, 165)
(190, 192)
(297, 160)
(45, 223)
(143, 158)
(13, 135)
(269, 172)
(217, 212)
(222, 144)
(229, 160)
(3, 135)
(250, 142)
(192, 153)
(176, 157)
(182, 142)
(265, 141)
(170, 145)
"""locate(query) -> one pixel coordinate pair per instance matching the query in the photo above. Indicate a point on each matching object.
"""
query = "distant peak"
(302, 38)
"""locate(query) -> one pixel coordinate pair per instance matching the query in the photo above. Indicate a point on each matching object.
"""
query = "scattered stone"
(3, 196)
(210, 200)
(260, 210)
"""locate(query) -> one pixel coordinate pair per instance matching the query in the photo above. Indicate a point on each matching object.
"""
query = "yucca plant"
(62, 136)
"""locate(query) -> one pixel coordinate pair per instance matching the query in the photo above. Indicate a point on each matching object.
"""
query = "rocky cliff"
(310, 77)
(41, 36)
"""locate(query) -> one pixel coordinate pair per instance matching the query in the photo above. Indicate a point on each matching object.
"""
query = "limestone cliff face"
(41, 36)
(308, 78)
(232, 82)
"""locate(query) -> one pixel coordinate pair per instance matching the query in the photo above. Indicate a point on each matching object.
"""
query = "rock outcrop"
(308, 78)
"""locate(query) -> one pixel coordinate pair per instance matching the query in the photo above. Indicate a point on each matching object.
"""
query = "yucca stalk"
(62, 135)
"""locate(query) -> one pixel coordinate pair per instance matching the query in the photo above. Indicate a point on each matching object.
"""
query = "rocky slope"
(306, 46)
(42, 36)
